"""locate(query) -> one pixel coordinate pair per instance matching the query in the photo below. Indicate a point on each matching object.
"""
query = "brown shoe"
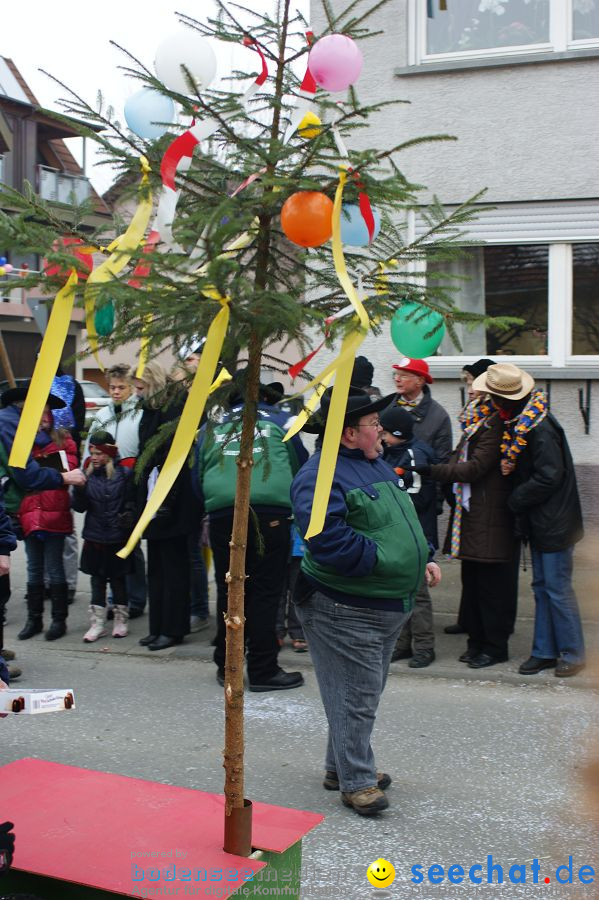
(14, 672)
(7, 654)
(367, 802)
(567, 669)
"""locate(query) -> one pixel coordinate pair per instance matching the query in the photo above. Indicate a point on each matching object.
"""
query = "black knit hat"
(477, 368)
(398, 421)
(363, 373)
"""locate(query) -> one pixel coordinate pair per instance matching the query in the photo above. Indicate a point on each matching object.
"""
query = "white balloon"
(185, 48)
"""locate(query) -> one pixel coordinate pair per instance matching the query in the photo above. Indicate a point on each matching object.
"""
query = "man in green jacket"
(356, 591)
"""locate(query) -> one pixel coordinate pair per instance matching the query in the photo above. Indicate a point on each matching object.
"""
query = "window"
(554, 288)
(484, 24)
(585, 297)
(486, 28)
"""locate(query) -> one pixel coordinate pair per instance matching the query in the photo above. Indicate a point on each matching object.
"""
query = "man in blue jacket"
(355, 592)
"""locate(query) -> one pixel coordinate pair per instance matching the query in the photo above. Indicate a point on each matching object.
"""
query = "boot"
(96, 629)
(35, 611)
(60, 610)
(121, 615)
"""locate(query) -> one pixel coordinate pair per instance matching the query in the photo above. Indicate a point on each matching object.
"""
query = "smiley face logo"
(380, 873)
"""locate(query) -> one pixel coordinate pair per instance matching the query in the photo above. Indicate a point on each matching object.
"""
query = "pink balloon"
(7, 268)
(335, 61)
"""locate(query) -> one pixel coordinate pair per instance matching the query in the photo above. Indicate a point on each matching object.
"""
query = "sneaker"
(567, 669)
(282, 681)
(197, 623)
(331, 782)
(14, 672)
(367, 802)
(422, 659)
(7, 654)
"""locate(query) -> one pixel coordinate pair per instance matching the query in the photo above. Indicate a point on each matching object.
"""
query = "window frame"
(561, 27)
(560, 304)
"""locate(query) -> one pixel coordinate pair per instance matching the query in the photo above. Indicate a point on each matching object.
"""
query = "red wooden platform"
(103, 830)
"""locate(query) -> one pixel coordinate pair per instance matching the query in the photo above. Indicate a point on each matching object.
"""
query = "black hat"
(363, 373)
(399, 422)
(477, 368)
(101, 437)
(358, 404)
(19, 394)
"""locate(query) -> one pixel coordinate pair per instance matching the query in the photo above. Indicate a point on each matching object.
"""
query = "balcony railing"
(62, 187)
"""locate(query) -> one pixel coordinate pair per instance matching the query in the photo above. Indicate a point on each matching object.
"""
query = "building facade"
(513, 81)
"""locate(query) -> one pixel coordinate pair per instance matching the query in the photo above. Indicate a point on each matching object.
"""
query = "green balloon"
(410, 324)
(104, 319)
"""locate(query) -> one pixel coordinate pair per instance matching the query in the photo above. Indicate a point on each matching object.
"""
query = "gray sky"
(72, 42)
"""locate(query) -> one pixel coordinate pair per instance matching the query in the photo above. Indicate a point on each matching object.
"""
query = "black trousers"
(4, 598)
(266, 569)
(118, 585)
(489, 603)
(168, 586)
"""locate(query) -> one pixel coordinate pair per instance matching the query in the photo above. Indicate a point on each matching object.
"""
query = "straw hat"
(504, 380)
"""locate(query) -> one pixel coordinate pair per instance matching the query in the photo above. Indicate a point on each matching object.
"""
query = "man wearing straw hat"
(546, 504)
(356, 590)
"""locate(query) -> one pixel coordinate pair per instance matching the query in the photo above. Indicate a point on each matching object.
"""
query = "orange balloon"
(307, 218)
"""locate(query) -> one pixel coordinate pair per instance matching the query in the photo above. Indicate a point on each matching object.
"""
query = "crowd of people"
(357, 595)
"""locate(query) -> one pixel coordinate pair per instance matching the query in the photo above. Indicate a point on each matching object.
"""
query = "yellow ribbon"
(344, 367)
(188, 424)
(144, 346)
(121, 250)
(44, 372)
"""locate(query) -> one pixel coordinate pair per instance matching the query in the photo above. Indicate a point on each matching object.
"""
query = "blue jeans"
(351, 650)
(558, 629)
(45, 550)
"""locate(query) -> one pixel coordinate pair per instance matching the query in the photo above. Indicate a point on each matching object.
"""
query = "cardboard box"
(32, 702)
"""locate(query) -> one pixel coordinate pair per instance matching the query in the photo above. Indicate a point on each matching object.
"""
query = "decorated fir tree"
(258, 222)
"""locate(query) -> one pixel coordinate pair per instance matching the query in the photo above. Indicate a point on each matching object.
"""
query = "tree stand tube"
(238, 830)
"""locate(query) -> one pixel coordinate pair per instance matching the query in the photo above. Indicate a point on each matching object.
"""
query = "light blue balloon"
(146, 107)
(353, 227)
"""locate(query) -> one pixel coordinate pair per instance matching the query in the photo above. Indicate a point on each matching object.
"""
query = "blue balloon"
(146, 107)
(3, 260)
(353, 227)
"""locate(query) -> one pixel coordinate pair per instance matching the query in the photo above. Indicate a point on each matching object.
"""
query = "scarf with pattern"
(514, 437)
(472, 418)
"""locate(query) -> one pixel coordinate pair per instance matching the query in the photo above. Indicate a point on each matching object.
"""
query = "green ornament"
(410, 324)
(104, 319)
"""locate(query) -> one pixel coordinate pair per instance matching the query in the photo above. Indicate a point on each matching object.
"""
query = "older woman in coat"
(481, 535)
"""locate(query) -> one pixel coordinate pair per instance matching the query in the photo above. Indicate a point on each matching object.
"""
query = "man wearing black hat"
(355, 592)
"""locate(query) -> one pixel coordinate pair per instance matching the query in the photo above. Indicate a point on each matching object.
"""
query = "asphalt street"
(483, 763)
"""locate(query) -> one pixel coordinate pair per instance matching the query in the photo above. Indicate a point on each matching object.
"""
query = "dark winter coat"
(432, 424)
(49, 510)
(180, 513)
(487, 533)
(545, 499)
(8, 541)
(422, 489)
(107, 503)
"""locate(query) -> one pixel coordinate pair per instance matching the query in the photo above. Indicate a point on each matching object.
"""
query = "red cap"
(416, 366)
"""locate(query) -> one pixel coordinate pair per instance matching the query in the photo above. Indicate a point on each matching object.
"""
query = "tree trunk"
(234, 619)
